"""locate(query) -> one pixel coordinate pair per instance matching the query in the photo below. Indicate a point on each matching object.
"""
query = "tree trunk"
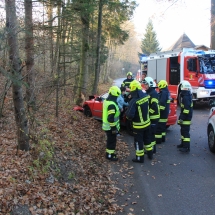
(213, 24)
(29, 49)
(84, 56)
(20, 115)
(50, 17)
(97, 67)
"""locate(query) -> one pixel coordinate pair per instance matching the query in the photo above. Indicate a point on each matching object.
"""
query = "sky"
(170, 21)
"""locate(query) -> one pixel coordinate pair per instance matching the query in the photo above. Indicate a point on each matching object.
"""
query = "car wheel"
(129, 127)
(87, 111)
(211, 139)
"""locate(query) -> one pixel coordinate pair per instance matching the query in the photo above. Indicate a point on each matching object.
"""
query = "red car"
(93, 108)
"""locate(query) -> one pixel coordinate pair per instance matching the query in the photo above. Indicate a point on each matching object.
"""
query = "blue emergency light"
(210, 83)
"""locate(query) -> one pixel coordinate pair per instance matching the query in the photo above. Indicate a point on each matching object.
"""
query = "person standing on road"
(164, 103)
(154, 111)
(128, 80)
(185, 116)
(110, 121)
(138, 113)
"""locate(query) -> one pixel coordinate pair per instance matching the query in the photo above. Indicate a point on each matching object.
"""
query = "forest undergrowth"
(65, 172)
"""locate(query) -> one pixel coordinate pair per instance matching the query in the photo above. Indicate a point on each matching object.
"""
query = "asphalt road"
(172, 183)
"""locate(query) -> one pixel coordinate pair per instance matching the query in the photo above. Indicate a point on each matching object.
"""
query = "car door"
(98, 105)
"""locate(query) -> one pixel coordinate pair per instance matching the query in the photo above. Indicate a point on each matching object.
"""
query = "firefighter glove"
(114, 130)
(180, 121)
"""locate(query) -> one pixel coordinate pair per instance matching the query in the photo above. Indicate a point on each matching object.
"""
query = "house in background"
(185, 42)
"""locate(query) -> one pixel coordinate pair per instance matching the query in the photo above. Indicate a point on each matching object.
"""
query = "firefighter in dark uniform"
(185, 116)
(110, 121)
(138, 113)
(164, 103)
(128, 80)
(154, 111)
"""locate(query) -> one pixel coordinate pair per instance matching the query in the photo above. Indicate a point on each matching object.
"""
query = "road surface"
(172, 183)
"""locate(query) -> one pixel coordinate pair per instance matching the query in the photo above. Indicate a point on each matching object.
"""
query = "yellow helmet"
(114, 91)
(129, 73)
(162, 84)
(135, 85)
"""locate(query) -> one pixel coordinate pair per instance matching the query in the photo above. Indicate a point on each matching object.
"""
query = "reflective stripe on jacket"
(154, 110)
(107, 111)
(186, 107)
(164, 103)
(138, 111)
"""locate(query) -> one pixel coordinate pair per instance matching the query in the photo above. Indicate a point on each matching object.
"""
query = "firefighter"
(110, 121)
(154, 111)
(128, 80)
(164, 103)
(185, 116)
(138, 113)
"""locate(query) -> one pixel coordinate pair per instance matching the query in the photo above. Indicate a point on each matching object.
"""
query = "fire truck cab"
(195, 66)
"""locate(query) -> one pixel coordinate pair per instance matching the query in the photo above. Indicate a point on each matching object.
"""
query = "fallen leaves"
(79, 178)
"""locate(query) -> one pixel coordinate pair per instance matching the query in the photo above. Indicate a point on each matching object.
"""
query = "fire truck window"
(174, 73)
(191, 64)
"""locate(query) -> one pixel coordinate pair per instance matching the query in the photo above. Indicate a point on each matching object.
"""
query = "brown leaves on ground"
(77, 179)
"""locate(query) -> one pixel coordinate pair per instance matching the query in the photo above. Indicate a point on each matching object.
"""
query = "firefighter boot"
(150, 154)
(185, 148)
(154, 149)
(111, 157)
(158, 140)
(138, 159)
(180, 145)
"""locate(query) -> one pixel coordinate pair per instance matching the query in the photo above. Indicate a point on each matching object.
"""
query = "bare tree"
(29, 49)
(15, 68)
(97, 69)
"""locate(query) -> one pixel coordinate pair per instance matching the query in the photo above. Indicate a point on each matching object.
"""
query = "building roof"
(183, 42)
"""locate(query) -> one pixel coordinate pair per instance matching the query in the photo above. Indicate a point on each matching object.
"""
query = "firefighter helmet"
(185, 85)
(162, 84)
(148, 81)
(135, 85)
(129, 74)
(114, 91)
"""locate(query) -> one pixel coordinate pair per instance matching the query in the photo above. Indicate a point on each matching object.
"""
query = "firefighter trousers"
(161, 130)
(141, 140)
(111, 142)
(185, 136)
(153, 129)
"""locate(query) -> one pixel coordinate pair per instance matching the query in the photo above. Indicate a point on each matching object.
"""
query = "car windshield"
(104, 96)
(207, 64)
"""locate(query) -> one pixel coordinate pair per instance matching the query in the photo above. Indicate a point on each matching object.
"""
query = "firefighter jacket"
(110, 114)
(154, 110)
(164, 103)
(126, 82)
(186, 108)
(138, 110)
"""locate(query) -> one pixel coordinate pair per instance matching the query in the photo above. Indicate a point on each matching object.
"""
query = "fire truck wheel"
(129, 127)
(211, 139)
(87, 111)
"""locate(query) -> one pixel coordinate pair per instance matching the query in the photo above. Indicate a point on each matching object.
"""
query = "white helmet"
(154, 84)
(185, 85)
(149, 81)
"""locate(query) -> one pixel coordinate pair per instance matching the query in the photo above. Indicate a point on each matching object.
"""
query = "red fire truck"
(195, 66)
